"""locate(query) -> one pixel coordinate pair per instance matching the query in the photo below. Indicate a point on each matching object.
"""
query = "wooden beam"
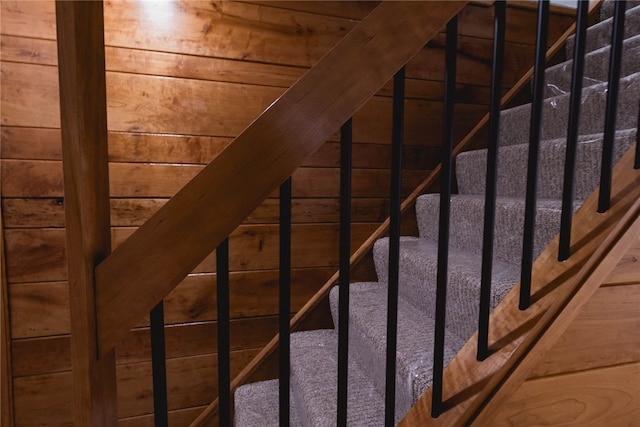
(141, 271)
(83, 109)
(6, 385)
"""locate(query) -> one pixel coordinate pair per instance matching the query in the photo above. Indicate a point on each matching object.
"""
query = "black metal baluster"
(345, 250)
(564, 249)
(285, 300)
(534, 149)
(224, 365)
(158, 366)
(492, 179)
(615, 60)
(446, 175)
(394, 245)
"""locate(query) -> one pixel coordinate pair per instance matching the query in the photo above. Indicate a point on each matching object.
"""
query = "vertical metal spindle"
(394, 245)
(564, 249)
(343, 290)
(492, 179)
(285, 300)
(534, 149)
(224, 365)
(158, 367)
(615, 60)
(446, 175)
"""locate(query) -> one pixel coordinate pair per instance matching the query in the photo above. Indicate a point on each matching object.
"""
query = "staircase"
(314, 353)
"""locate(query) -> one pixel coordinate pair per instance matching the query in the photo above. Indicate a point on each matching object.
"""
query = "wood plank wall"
(594, 367)
(183, 79)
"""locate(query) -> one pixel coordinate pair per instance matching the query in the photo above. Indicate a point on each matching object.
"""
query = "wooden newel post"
(83, 109)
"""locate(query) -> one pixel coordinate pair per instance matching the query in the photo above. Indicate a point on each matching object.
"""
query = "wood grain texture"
(83, 110)
(46, 399)
(129, 212)
(40, 254)
(41, 309)
(469, 383)
(628, 269)
(156, 104)
(43, 355)
(607, 396)
(605, 333)
(268, 151)
(6, 367)
(42, 52)
(20, 143)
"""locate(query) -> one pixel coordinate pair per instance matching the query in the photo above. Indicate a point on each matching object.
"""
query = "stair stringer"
(474, 391)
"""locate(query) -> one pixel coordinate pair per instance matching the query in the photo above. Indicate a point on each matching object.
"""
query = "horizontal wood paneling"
(43, 178)
(45, 212)
(608, 396)
(43, 355)
(156, 104)
(46, 399)
(20, 143)
(39, 254)
(252, 294)
(43, 52)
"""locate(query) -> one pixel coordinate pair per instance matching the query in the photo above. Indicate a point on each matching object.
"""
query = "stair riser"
(417, 284)
(512, 168)
(599, 35)
(367, 337)
(514, 123)
(606, 10)
(596, 70)
(468, 215)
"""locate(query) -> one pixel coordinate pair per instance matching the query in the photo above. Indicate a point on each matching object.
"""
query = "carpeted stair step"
(417, 280)
(596, 69)
(512, 167)
(314, 361)
(599, 35)
(514, 122)
(467, 213)
(256, 405)
(368, 342)
(606, 10)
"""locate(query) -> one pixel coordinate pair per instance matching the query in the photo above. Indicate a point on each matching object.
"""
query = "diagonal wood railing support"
(83, 108)
(146, 267)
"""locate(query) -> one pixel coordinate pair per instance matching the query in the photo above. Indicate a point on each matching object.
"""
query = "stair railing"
(117, 289)
(124, 289)
(438, 403)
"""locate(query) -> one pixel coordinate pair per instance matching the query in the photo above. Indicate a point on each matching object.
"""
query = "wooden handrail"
(148, 265)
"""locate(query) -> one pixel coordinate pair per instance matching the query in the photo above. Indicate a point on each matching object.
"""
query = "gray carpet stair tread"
(417, 281)
(596, 69)
(512, 167)
(599, 35)
(314, 356)
(368, 341)
(606, 10)
(256, 405)
(467, 213)
(515, 122)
